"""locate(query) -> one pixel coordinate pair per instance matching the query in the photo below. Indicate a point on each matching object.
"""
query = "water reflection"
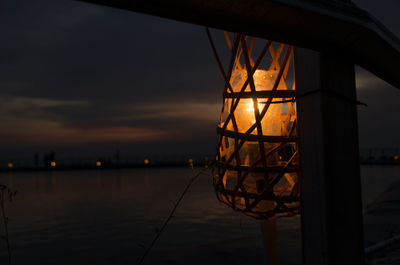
(48, 182)
(62, 217)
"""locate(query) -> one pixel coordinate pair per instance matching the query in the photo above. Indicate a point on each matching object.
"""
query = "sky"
(86, 80)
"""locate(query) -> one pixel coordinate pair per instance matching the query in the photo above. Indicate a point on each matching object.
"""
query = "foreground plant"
(6, 195)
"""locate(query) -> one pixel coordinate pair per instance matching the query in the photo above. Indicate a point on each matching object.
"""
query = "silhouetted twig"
(159, 231)
(6, 195)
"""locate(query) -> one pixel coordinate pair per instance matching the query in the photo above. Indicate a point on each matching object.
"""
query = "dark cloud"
(74, 50)
(379, 122)
(113, 63)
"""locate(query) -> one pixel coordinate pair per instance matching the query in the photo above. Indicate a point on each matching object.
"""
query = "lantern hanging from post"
(257, 158)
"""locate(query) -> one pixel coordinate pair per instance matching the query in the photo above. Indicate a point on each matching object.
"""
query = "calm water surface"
(82, 217)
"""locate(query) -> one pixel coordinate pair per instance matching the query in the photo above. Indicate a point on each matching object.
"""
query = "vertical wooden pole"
(332, 230)
(269, 237)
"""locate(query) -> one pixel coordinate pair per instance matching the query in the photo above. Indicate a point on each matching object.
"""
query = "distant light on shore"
(98, 163)
(53, 164)
(146, 161)
(10, 165)
(396, 158)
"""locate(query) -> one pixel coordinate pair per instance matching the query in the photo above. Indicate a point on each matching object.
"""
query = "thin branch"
(191, 181)
(6, 195)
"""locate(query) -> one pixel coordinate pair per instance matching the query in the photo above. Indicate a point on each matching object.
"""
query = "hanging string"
(333, 93)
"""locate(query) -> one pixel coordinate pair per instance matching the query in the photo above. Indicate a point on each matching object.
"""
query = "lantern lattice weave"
(257, 158)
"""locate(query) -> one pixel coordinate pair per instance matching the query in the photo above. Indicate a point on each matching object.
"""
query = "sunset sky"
(82, 79)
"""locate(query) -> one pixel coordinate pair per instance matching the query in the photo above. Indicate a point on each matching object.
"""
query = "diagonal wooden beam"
(326, 26)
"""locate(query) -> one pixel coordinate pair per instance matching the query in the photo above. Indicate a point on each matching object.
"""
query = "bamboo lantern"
(257, 158)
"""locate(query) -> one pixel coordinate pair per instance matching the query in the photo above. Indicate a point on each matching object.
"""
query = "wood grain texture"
(329, 166)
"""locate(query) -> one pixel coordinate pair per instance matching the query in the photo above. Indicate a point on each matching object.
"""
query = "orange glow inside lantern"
(257, 161)
(245, 110)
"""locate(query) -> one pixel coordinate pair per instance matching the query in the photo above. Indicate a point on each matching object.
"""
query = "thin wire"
(334, 93)
(356, 102)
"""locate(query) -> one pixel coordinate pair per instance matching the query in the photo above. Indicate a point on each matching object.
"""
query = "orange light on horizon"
(396, 158)
(146, 161)
(98, 163)
(10, 165)
(53, 164)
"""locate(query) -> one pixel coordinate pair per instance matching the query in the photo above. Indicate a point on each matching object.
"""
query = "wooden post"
(332, 230)
(270, 241)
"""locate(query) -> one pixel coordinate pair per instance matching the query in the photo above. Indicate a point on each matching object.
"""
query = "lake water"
(103, 216)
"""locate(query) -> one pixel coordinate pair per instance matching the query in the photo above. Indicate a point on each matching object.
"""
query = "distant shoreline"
(43, 169)
(141, 166)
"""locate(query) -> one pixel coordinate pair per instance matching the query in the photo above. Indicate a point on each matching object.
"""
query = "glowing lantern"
(10, 165)
(53, 164)
(191, 163)
(146, 161)
(98, 163)
(257, 159)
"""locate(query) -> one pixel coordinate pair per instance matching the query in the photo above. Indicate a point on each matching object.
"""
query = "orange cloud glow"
(61, 136)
